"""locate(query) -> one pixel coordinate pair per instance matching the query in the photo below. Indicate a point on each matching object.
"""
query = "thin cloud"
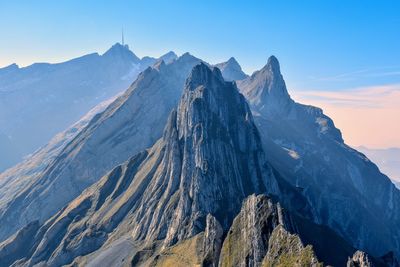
(359, 74)
(369, 97)
(367, 116)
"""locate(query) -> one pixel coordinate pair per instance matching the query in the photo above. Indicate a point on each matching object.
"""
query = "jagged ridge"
(231, 70)
(167, 192)
(343, 188)
(133, 122)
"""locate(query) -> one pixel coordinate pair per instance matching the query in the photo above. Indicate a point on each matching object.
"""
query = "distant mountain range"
(40, 100)
(199, 165)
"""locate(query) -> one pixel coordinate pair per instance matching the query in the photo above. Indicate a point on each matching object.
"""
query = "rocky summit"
(346, 191)
(131, 123)
(40, 100)
(167, 192)
(190, 168)
(231, 70)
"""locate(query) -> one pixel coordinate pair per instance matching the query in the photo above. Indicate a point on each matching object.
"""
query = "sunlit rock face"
(167, 192)
(133, 122)
(261, 235)
(345, 190)
(164, 177)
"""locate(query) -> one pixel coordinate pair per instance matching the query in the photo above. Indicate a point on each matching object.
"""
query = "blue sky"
(321, 45)
(343, 56)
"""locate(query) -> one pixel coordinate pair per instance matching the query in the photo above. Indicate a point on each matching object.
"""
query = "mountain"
(15, 179)
(266, 90)
(388, 161)
(258, 236)
(38, 101)
(259, 228)
(215, 169)
(175, 199)
(231, 70)
(346, 191)
(167, 58)
(133, 122)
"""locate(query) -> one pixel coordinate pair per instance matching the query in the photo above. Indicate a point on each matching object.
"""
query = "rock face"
(231, 70)
(246, 243)
(38, 101)
(266, 90)
(167, 192)
(212, 241)
(133, 122)
(201, 250)
(286, 249)
(18, 244)
(203, 193)
(258, 237)
(345, 190)
(359, 259)
(213, 124)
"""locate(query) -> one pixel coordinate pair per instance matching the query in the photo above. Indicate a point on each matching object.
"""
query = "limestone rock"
(167, 192)
(344, 190)
(131, 123)
(286, 249)
(260, 236)
(359, 259)
(212, 242)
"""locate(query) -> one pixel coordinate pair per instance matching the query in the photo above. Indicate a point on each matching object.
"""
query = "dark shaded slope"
(344, 189)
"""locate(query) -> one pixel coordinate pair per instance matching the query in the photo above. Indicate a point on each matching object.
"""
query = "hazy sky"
(368, 116)
(329, 46)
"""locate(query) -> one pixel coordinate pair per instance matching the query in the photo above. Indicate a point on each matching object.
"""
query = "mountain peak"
(208, 117)
(12, 66)
(232, 63)
(176, 189)
(9, 70)
(121, 51)
(169, 57)
(266, 89)
(170, 53)
(232, 60)
(201, 75)
(185, 56)
(188, 59)
(231, 70)
(273, 65)
(117, 47)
